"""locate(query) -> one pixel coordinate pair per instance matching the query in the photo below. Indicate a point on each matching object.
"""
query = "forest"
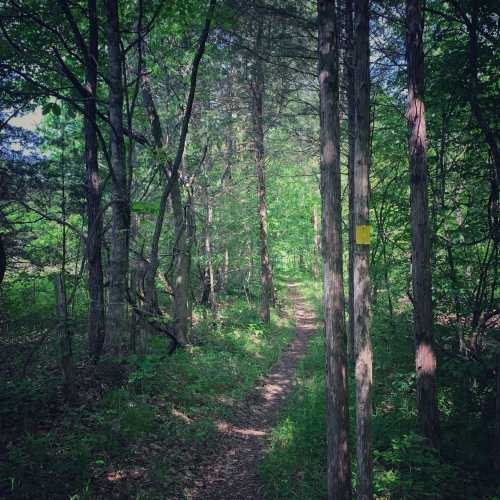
(249, 249)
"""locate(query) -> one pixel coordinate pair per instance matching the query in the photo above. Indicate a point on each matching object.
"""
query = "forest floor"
(231, 473)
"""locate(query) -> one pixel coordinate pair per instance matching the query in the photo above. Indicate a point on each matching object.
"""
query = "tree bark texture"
(95, 283)
(361, 261)
(425, 358)
(3, 260)
(339, 470)
(116, 320)
(351, 124)
(257, 95)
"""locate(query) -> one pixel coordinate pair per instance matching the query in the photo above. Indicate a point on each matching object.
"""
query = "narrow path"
(232, 473)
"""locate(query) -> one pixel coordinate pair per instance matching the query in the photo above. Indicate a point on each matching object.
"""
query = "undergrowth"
(137, 436)
(404, 467)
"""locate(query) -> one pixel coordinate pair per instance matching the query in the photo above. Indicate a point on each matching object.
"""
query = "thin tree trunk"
(65, 349)
(362, 287)
(225, 272)
(190, 234)
(339, 469)
(257, 91)
(383, 238)
(474, 89)
(171, 181)
(181, 267)
(3, 260)
(95, 284)
(317, 242)
(425, 359)
(497, 416)
(209, 271)
(116, 320)
(136, 287)
(488, 132)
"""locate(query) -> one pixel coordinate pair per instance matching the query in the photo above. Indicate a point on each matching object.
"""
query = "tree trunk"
(138, 328)
(181, 264)
(225, 272)
(474, 91)
(362, 287)
(116, 325)
(351, 125)
(257, 91)
(171, 180)
(425, 359)
(95, 284)
(488, 132)
(497, 417)
(339, 470)
(3, 260)
(181, 268)
(190, 235)
(383, 237)
(65, 349)
(317, 243)
(209, 270)
(150, 296)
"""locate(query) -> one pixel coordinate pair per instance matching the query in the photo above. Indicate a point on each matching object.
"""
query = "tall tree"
(116, 320)
(181, 254)
(339, 469)
(425, 357)
(96, 321)
(171, 187)
(257, 99)
(351, 123)
(496, 447)
(362, 286)
(3, 260)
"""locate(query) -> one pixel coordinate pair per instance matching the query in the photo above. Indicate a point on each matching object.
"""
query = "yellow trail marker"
(362, 235)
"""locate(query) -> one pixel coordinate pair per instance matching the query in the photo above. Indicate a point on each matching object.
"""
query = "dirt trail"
(232, 473)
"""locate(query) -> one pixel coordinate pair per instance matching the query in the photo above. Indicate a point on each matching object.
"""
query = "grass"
(137, 437)
(404, 468)
(139, 429)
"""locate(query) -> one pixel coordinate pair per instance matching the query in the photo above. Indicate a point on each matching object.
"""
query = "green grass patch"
(157, 414)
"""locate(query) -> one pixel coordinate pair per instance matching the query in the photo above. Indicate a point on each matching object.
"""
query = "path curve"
(232, 473)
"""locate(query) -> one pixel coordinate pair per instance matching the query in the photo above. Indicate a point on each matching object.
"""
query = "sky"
(29, 121)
